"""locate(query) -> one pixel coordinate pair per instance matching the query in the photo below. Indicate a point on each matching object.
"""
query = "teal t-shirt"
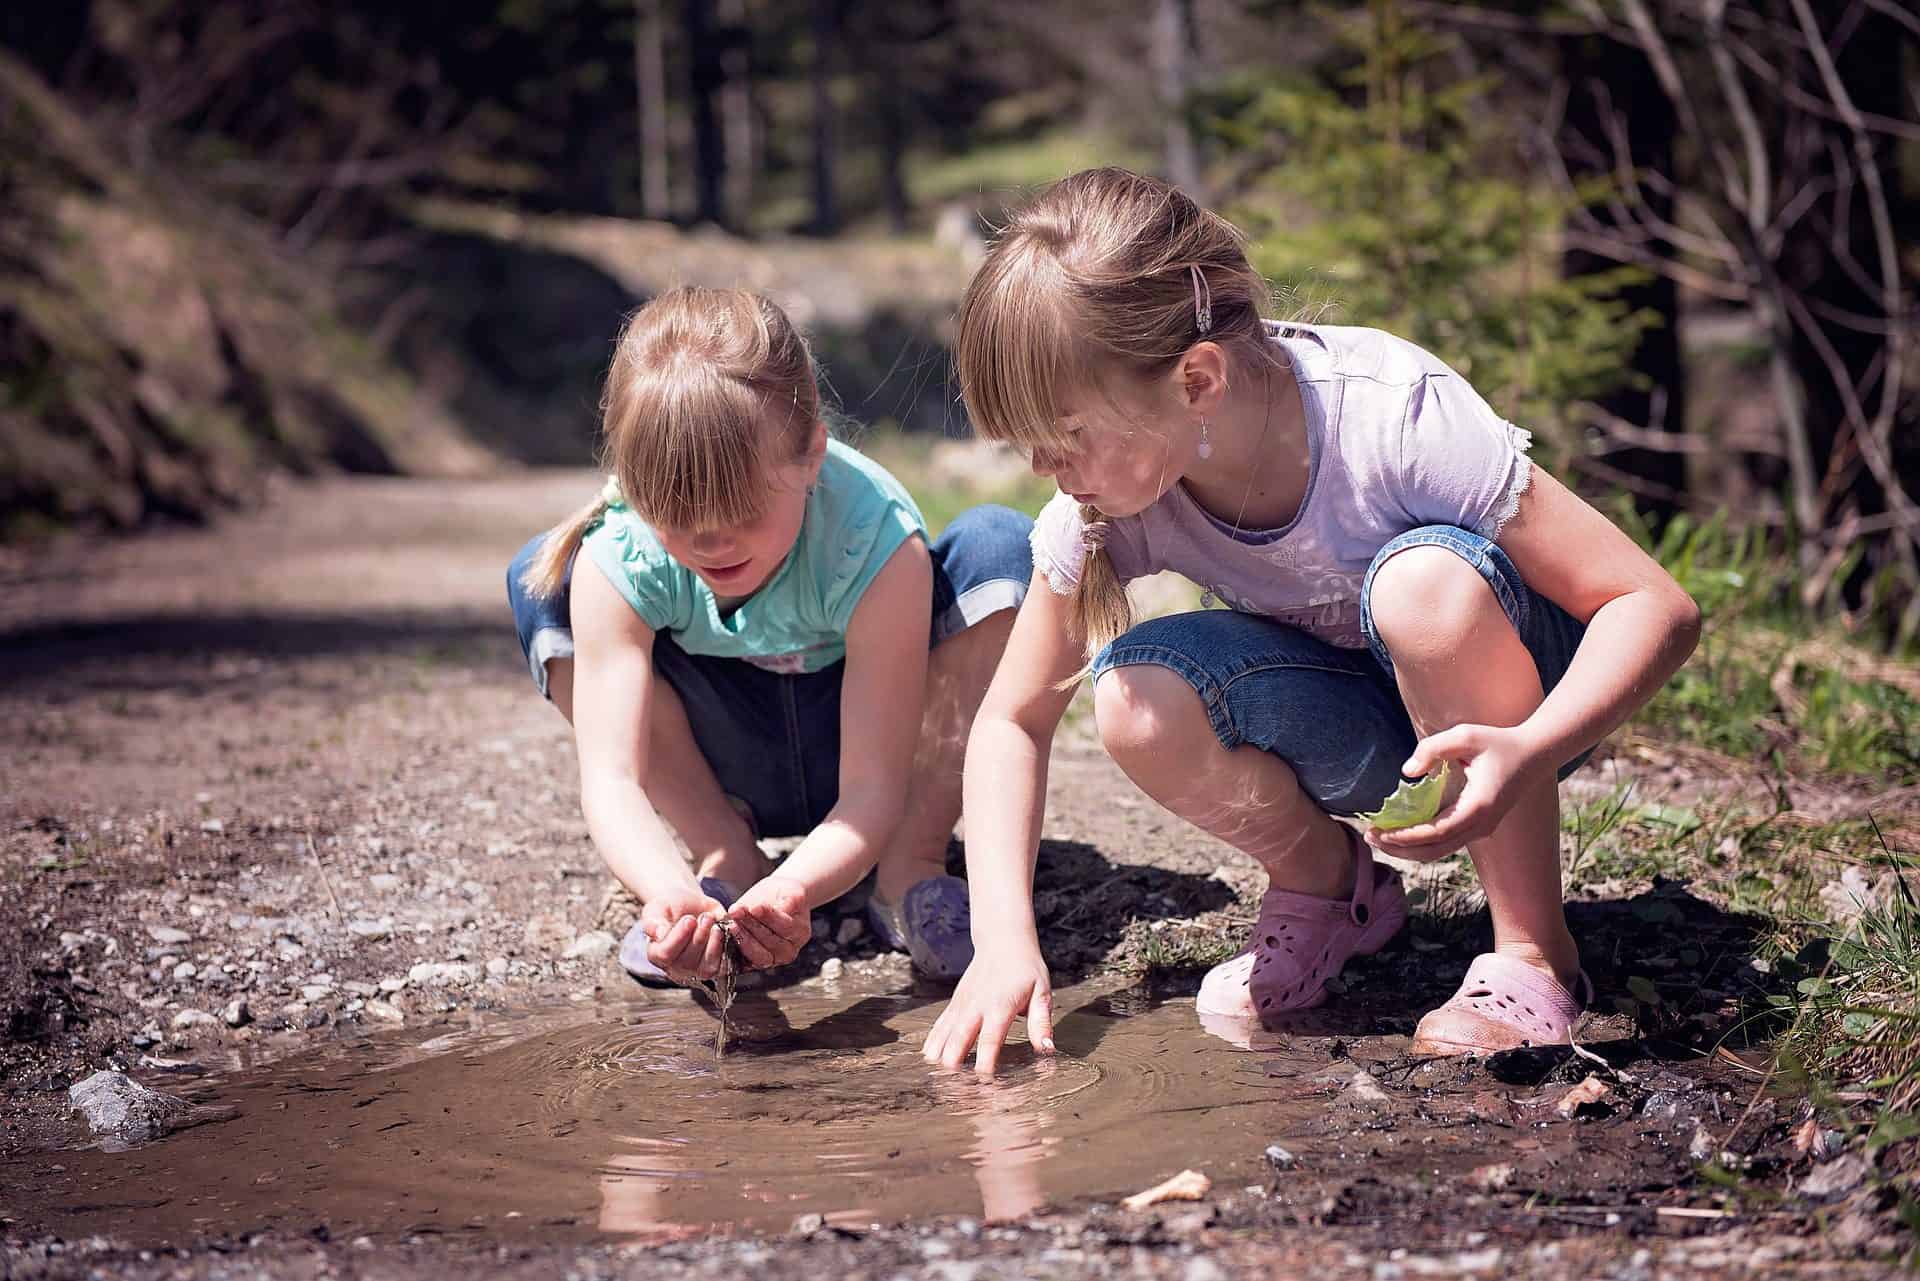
(856, 518)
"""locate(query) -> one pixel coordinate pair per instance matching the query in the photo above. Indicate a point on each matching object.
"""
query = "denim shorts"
(773, 738)
(1333, 714)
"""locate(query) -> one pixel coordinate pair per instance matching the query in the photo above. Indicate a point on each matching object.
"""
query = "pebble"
(236, 1014)
(315, 991)
(851, 931)
(1279, 1158)
(497, 967)
(370, 929)
(385, 1012)
(383, 882)
(808, 1224)
(822, 929)
(832, 969)
(594, 945)
(1837, 1177)
(184, 971)
(392, 984)
(115, 1103)
(442, 974)
(192, 1019)
(1702, 1147)
(167, 934)
(546, 932)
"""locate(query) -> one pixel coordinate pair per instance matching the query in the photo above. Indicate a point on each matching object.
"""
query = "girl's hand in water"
(990, 995)
(771, 921)
(684, 940)
(1497, 766)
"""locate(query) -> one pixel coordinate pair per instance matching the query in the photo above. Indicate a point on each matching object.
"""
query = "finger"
(715, 950)
(665, 950)
(965, 1033)
(1040, 1019)
(1431, 750)
(993, 1037)
(759, 945)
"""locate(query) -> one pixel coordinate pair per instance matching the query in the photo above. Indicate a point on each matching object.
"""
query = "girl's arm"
(881, 707)
(1640, 628)
(1004, 799)
(612, 709)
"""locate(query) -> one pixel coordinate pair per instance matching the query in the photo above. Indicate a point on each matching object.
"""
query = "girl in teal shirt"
(761, 640)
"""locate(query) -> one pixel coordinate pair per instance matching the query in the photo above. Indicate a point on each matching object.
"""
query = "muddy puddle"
(617, 1120)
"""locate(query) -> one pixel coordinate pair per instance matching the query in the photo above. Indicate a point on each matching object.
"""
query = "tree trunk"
(826, 35)
(707, 76)
(736, 108)
(650, 78)
(1613, 92)
(1175, 41)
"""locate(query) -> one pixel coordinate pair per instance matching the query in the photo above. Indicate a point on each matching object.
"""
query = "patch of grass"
(1855, 1022)
(941, 495)
(1008, 168)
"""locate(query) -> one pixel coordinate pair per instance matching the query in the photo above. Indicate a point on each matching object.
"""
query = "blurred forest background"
(1677, 240)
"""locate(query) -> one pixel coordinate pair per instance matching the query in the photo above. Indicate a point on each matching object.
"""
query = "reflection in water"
(618, 1121)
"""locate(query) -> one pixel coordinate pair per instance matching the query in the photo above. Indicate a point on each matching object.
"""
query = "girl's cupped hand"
(1497, 766)
(771, 921)
(683, 937)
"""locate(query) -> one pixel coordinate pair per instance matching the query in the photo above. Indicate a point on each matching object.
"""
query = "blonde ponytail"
(1099, 608)
(548, 570)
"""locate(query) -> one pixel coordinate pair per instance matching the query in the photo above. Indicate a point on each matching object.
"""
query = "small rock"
(315, 991)
(1490, 1178)
(392, 984)
(498, 967)
(822, 929)
(383, 882)
(187, 1019)
(167, 935)
(442, 974)
(832, 970)
(214, 826)
(1201, 1268)
(852, 930)
(116, 1104)
(1702, 1146)
(546, 932)
(808, 1224)
(236, 1013)
(1364, 1091)
(1278, 1158)
(358, 988)
(594, 945)
(371, 929)
(184, 971)
(1837, 1177)
(385, 1012)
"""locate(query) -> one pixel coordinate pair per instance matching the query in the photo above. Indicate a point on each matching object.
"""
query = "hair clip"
(1202, 310)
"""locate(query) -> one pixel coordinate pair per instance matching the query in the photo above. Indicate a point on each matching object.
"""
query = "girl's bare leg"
(682, 787)
(1156, 729)
(1459, 661)
(958, 672)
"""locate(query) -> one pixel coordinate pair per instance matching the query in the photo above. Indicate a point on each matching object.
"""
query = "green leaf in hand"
(1411, 803)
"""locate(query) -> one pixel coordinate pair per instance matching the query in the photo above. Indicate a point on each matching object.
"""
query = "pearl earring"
(1206, 446)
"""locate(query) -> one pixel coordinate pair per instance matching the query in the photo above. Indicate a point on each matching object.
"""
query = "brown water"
(616, 1119)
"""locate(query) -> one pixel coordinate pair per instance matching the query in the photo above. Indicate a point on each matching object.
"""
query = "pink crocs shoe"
(1301, 941)
(1502, 1004)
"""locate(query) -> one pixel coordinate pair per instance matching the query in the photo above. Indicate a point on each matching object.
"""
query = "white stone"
(186, 1019)
(594, 945)
(167, 935)
(442, 974)
(384, 1012)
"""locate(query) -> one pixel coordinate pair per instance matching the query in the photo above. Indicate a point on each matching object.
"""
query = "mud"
(282, 828)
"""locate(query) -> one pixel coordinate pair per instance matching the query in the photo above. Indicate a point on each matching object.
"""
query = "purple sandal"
(932, 923)
(633, 948)
(1301, 941)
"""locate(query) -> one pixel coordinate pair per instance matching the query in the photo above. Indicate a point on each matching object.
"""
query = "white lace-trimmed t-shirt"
(1397, 440)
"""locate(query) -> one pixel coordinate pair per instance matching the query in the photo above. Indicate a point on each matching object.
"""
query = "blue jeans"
(1334, 715)
(773, 738)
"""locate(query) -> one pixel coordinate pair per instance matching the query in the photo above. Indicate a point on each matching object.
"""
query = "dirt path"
(282, 785)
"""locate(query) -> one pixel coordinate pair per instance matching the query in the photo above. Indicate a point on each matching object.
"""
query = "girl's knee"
(1426, 598)
(1144, 708)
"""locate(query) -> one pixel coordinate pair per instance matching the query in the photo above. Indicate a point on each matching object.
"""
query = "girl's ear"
(816, 450)
(1201, 377)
